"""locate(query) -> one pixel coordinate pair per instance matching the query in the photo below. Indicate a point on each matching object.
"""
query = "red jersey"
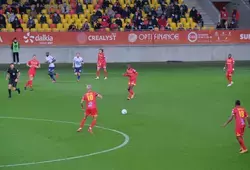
(230, 64)
(33, 63)
(101, 58)
(90, 99)
(240, 115)
(131, 73)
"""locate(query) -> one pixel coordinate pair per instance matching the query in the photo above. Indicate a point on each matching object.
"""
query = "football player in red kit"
(229, 65)
(101, 64)
(132, 75)
(33, 64)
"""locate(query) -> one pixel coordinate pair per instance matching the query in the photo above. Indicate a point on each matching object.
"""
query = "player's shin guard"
(241, 142)
(78, 76)
(18, 90)
(93, 123)
(52, 76)
(9, 91)
(82, 122)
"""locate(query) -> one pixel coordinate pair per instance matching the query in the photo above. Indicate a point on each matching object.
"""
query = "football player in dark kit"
(13, 75)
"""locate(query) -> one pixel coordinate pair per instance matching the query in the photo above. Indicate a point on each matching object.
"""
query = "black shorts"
(12, 82)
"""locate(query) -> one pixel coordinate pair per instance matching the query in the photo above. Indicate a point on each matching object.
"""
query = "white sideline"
(125, 142)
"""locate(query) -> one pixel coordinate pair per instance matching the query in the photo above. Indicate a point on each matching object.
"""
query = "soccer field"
(173, 123)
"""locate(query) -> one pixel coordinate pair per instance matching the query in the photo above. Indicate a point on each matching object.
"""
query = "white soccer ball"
(124, 111)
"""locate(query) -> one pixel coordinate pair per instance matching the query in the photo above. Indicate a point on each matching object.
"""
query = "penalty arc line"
(125, 142)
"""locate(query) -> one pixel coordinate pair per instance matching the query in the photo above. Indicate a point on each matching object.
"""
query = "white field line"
(125, 142)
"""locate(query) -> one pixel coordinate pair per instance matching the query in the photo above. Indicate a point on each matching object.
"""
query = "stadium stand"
(98, 15)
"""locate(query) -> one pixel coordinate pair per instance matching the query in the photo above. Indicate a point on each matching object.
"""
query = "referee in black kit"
(13, 75)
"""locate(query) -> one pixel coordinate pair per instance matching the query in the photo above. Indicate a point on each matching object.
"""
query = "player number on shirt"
(241, 113)
(90, 97)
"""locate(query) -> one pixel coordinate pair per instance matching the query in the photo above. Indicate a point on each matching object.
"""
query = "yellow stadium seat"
(36, 21)
(173, 26)
(91, 8)
(4, 30)
(33, 30)
(25, 16)
(18, 16)
(38, 26)
(70, 21)
(26, 30)
(8, 26)
(78, 21)
(9, 2)
(107, 29)
(59, 26)
(179, 24)
(204, 28)
(193, 25)
(62, 16)
(183, 20)
(81, 16)
(44, 11)
(47, 16)
(45, 26)
(66, 26)
(211, 28)
(74, 16)
(169, 20)
(40, 30)
(47, 30)
(187, 25)
(128, 20)
(11, 30)
(67, 16)
(190, 20)
(38, 17)
(84, 6)
(55, 30)
(64, 21)
(91, 30)
(63, 30)
(79, 26)
(49, 21)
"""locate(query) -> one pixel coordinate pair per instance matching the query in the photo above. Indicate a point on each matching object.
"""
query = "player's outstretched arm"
(82, 106)
(228, 121)
(99, 96)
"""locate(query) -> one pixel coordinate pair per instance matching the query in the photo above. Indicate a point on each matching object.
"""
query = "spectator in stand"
(154, 21)
(111, 13)
(12, 16)
(72, 28)
(79, 8)
(43, 19)
(97, 25)
(232, 25)
(127, 27)
(175, 18)
(193, 13)
(150, 25)
(16, 24)
(118, 21)
(31, 23)
(2, 21)
(223, 16)
(168, 28)
(93, 18)
(39, 8)
(182, 12)
(98, 13)
(22, 9)
(104, 23)
(8, 9)
(162, 21)
(33, 12)
(59, 2)
(199, 20)
(56, 19)
(181, 28)
(65, 8)
(159, 11)
(85, 26)
(113, 26)
(105, 4)
(184, 7)
(137, 21)
(106, 17)
(125, 13)
(236, 16)
(218, 26)
(146, 8)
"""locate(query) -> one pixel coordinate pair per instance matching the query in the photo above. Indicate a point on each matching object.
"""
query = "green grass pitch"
(174, 121)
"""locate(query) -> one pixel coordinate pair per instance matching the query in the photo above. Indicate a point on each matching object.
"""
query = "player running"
(132, 75)
(33, 64)
(77, 65)
(13, 75)
(240, 115)
(229, 65)
(51, 71)
(101, 64)
(91, 108)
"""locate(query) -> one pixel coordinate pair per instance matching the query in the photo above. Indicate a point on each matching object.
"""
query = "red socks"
(131, 93)
(82, 122)
(242, 144)
(93, 123)
(29, 83)
(97, 73)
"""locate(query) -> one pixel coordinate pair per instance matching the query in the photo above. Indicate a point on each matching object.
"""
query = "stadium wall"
(124, 54)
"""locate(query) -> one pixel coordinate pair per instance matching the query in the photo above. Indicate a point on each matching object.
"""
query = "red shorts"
(229, 73)
(102, 65)
(31, 73)
(91, 112)
(239, 131)
(132, 82)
